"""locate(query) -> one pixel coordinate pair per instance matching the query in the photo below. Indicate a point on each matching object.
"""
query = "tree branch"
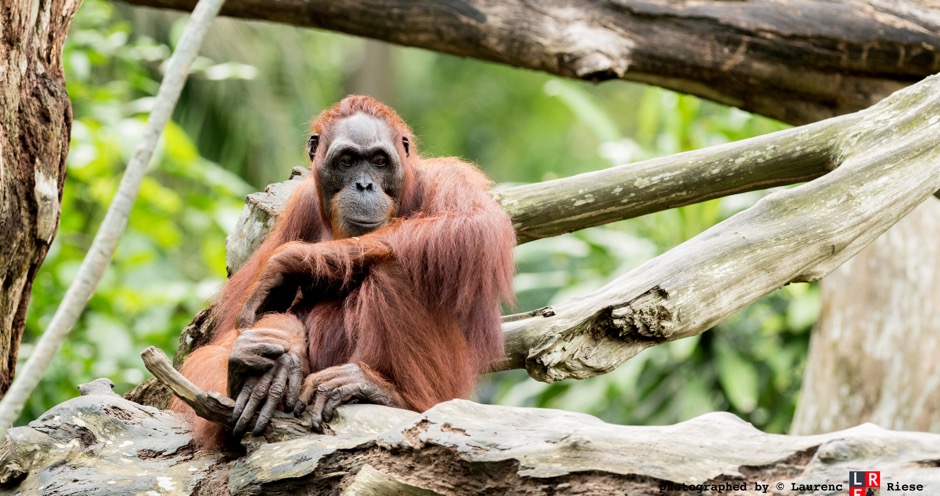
(559, 206)
(519, 448)
(208, 405)
(889, 162)
(852, 54)
(456, 447)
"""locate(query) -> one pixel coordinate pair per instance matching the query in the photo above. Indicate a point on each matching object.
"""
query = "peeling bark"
(649, 315)
(257, 219)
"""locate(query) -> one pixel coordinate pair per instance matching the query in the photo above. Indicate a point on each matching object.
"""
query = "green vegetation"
(241, 124)
(172, 258)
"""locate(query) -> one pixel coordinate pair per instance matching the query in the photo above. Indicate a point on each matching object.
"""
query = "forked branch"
(888, 160)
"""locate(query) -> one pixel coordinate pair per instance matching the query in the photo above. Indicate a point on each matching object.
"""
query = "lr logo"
(864, 483)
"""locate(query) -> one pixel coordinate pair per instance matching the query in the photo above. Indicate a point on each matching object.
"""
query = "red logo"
(864, 483)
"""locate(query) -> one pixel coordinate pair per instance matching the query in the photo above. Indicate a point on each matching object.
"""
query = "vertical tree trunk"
(376, 73)
(35, 121)
(873, 354)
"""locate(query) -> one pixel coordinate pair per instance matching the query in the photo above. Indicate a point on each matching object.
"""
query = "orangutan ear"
(312, 145)
(407, 144)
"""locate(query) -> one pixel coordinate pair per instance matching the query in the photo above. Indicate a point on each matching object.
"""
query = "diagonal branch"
(559, 206)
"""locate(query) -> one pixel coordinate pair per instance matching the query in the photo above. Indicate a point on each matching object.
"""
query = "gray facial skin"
(362, 175)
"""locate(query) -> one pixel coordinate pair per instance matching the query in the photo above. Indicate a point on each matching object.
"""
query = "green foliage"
(172, 258)
(248, 112)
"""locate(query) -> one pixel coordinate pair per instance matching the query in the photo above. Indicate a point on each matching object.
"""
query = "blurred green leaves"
(172, 258)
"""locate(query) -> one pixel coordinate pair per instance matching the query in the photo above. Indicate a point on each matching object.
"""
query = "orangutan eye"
(378, 160)
(345, 161)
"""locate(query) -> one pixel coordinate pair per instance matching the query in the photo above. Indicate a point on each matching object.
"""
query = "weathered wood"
(35, 122)
(103, 443)
(100, 443)
(208, 405)
(199, 331)
(559, 206)
(257, 219)
(371, 482)
(851, 54)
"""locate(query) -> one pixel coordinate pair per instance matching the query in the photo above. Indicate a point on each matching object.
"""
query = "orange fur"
(416, 302)
(212, 357)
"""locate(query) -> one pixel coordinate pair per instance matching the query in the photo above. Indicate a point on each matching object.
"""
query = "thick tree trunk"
(796, 60)
(873, 355)
(35, 122)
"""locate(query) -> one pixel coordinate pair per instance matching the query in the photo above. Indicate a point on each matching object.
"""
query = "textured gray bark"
(103, 444)
(35, 122)
(873, 354)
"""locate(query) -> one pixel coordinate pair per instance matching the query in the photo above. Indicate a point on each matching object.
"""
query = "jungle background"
(241, 124)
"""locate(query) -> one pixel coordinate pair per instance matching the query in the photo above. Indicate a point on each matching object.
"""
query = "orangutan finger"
(258, 393)
(340, 396)
(243, 396)
(294, 382)
(275, 393)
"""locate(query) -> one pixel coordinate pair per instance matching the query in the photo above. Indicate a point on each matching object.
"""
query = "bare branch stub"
(210, 406)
